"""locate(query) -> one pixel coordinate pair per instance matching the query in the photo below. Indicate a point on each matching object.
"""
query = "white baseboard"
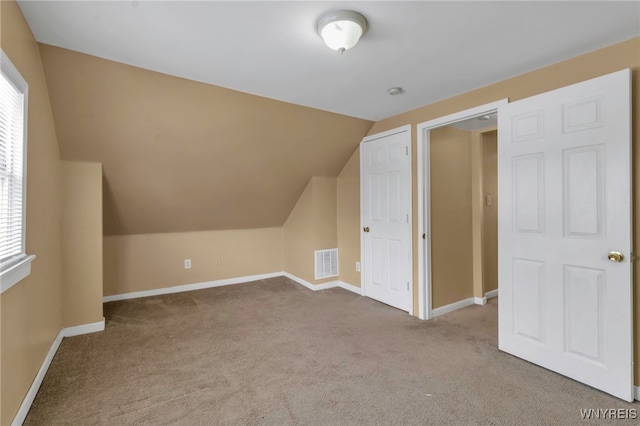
(452, 307)
(229, 281)
(35, 386)
(307, 284)
(480, 300)
(190, 287)
(350, 287)
(491, 294)
(94, 327)
(636, 393)
(37, 381)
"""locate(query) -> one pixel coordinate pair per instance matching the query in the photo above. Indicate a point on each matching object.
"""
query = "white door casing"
(385, 161)
(564, 184)
(424, 197)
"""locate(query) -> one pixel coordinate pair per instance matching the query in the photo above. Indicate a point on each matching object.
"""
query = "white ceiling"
(434, 50)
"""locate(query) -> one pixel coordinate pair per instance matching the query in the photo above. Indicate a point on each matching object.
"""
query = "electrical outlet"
(357, 266)
(187, 264)
(218, 260)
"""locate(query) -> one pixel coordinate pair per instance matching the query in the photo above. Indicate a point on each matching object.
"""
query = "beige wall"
(477, 211)
(182, 156)
(31, 310)
(325, 212)
(81, 243)
(312, 225)
(451, 237)
(489, 146)
(298, 234)
(584, 67)
(348, 193)
(153, 261)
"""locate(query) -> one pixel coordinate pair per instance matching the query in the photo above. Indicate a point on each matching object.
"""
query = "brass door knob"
(615, 256)
(365, 229)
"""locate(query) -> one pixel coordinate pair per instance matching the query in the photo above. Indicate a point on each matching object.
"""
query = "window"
(15, 264)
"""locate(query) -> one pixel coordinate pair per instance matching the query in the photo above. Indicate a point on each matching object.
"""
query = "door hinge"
(407, 218)
(407, 286)
(406, 150)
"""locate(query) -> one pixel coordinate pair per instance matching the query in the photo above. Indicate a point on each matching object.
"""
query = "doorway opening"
(565, 210)
(451, 206)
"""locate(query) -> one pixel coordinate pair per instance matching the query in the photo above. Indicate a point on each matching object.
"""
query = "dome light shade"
(341, 29)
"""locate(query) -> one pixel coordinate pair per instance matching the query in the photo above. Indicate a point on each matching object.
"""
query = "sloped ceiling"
(179, 155)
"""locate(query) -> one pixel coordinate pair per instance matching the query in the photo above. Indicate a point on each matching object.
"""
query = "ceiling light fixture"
(484, 117)
(395, 91)
(341, 29)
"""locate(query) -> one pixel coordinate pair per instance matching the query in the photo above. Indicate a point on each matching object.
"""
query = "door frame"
(424, 202)
(397, 130)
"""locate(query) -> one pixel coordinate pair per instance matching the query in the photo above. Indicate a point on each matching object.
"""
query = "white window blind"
(12, 146)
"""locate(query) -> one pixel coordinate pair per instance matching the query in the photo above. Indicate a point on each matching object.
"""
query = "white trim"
(12, 72)
(410, 219)
(307, 284)
(424, 203)
(480, 300)
(228, 281)
(190, 287)
(397, 130)
(17, 272)
(93, 327)
(362, 262)
(23, 267)
(374, 137)
(350, 287)
(463, 115)
(37, 381)
(491, 294)
(636, 393)
(424, 228)
(452, 307)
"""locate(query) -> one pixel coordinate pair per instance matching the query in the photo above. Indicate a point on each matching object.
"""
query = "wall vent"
(326, 263)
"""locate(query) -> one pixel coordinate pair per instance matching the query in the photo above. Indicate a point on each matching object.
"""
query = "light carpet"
(275, 353)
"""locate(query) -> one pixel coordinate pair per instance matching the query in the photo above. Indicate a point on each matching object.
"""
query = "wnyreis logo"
(609, 413)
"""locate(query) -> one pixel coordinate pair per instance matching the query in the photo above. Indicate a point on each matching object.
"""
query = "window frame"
(18, 267)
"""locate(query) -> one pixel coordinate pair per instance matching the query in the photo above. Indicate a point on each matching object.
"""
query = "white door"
(564, 207)
(386, 220)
